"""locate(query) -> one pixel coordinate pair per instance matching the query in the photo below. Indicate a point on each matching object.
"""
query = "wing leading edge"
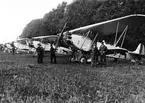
(109, 27)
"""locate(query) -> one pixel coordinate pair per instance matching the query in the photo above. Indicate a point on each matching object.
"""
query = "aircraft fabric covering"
(109, 27)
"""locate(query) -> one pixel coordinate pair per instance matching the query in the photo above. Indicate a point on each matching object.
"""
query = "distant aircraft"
(45, 42)
(24, 45)
(7, 48)
(110, 27)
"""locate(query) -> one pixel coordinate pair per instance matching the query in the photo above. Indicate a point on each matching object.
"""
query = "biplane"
(81, 37)
(24, 45)
(45, 42)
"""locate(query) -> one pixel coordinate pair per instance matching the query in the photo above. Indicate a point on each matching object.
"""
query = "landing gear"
(79, 56)
(83, 60)
(71, 60)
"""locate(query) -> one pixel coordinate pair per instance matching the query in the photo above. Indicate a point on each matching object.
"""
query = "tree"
(85, 12)
(34, 28)
(55, 19)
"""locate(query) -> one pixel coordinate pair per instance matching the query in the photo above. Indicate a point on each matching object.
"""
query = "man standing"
(103, 49)
(52, 54)
(95, 54)
(40, 53)
(13, 48)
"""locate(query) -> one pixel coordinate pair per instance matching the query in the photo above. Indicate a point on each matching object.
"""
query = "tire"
(83, 60)
(71, 60)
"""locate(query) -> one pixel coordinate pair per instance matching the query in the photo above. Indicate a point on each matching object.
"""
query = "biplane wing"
(109, 27)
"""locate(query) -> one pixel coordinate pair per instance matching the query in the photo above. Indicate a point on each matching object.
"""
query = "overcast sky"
(15, 14)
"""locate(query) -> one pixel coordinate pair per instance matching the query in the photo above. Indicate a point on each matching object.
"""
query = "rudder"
(140, 49)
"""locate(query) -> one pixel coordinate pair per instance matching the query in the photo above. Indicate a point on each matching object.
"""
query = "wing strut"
(121, 35)
(116, 33)
(94, 39)
(124, 36)
(85, 39)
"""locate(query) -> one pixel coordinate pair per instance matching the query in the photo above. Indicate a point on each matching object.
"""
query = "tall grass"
(72, 84)
(24, 81)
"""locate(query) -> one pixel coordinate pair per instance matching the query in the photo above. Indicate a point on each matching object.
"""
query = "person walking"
(95, 55)
(52, 54)
(40, 53)
(103, 49)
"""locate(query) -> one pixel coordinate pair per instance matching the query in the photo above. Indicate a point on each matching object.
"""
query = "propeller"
(60, 36)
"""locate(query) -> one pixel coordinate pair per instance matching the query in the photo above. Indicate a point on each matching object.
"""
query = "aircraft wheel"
(83, 60)
(71, 60)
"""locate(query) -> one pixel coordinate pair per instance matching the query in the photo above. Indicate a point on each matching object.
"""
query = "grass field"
(22, 80)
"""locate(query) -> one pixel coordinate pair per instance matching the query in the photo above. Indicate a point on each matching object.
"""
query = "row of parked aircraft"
(80, 40)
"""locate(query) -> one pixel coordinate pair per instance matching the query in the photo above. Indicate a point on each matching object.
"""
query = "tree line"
(81, 13)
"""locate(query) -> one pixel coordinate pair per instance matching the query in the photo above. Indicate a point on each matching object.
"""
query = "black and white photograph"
(72, 51)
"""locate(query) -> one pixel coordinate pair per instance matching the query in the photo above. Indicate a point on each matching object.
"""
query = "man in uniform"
(13, 48)
(103, 49)
(40, 53)
(95, 55)
(52, 54)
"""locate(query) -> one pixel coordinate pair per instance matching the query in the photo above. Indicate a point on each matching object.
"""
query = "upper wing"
(46, 39)
(109, 27)
(43, 37)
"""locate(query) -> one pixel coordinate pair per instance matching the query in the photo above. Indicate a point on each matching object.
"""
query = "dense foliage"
(84, 12)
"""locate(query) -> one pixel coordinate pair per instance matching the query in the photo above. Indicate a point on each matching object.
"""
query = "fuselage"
(81, 42)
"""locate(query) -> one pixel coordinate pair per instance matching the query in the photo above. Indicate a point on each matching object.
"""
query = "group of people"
(98, 55)
(40, 54)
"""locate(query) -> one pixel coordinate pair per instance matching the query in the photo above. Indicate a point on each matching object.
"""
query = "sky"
(15, 14)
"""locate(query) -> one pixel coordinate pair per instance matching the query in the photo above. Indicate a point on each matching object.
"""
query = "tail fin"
(140, 49)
